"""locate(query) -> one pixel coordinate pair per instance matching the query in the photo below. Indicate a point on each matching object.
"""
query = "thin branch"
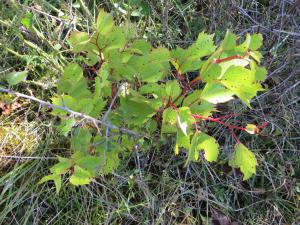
(26, 157)
(74, 113)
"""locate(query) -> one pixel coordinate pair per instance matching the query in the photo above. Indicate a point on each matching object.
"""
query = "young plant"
(123, 81)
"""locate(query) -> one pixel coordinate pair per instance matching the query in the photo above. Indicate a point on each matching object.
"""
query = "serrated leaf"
(81, 140)
(209, 145)
(215, 93)
(89, 163)
(190, 65)
(203, 46)
(56, 178)
(183, 140)
(105, 22)
(243, 47)
(240, 82)
(62, 166)
(234, 62)
(16, 77)
(229, 41)
(152, 88)
(202, 141)
(64, 101)
(112, 161)
(72, 74)
(85, 105)
(178, 56)
(66, 126)
(245, 160)
(80, 176)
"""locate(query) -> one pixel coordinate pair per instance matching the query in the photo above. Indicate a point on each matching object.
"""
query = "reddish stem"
(235, 137)
(231, 58)
(217, 120)
(187, 87)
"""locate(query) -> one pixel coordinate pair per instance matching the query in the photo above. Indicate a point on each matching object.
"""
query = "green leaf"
(27, 20)
(137, 110)
(241, 83)
(260, 73)
(173, 89)
(89, 163)
(203, 109)
(242, 48)
(245, 160)
(62, 166)
(209, 145)
(152, 88)
(202, 141)
(80, 176)
(81, 140)
(169, 121)
(192, 98)
(48, 177)
(66, 126)
(256, 55)
(190, 65)
(183, 140)
(116, 39)
(256, 42)
(56, 178)
(178, 56)
(212, 73)
(79, 40)
(72, 74)
(184, 119)
(16, 77)
(140, 46)
(153, 67)
(64, 101)
(109, 153)
(202, 47)
(73, 83)
(229, 41)
(105, 22)
(234, 62)
(215, 93)
(112, 161)
(85, 105)
(193, 153)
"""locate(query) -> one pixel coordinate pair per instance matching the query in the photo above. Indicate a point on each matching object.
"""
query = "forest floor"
(151, 187)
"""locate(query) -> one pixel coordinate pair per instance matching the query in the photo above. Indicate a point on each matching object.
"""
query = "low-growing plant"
(127, 92)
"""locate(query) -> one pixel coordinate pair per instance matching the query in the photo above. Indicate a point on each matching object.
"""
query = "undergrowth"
(152, 186)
